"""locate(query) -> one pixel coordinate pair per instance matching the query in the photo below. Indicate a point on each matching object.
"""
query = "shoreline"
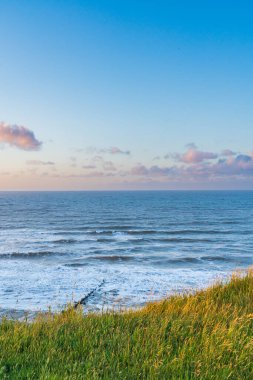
(206, 335)
(30, 315)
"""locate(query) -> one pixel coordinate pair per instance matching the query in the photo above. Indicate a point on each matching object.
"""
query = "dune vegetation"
(206, 335)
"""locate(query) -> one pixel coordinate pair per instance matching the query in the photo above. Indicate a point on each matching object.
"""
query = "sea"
(120, 249)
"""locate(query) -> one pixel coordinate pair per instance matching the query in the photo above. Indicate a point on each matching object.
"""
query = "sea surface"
(127, 248)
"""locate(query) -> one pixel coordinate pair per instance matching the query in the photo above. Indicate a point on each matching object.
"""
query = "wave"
(66, 241)
(181, 240)
(105, 240)
(198, 260)
(112, 231)
(120, 232)
(28, 255)
(112, 258)
(176, 261)
(142, 240)
(77, 264)
(227, 258)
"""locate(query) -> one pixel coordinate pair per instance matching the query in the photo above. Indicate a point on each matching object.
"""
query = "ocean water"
(131, 247)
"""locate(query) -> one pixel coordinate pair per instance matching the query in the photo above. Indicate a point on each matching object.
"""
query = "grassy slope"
(203, 336)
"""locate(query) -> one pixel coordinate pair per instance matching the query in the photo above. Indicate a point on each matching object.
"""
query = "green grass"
(207, 335)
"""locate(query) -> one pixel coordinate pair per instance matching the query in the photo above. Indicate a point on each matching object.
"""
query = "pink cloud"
(193, 156)
(116, 150)
(18, 136)
(239, 166)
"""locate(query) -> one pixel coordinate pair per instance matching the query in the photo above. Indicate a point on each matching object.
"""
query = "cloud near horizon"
(228, 152)
(239, 166)
(19, 137)
(40, 163)
(193, 155)
(153, 171)
(89, 167)
(114, 150)
(191, 166)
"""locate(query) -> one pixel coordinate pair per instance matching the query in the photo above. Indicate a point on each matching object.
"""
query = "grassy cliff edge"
(206, 335)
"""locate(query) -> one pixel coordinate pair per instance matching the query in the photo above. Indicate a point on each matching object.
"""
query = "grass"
(206, 335)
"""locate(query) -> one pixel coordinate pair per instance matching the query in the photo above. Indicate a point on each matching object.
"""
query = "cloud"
(112, 150)
(89, 167)
(243, 158)
(109, 166)
(153, 171)
(228, 152)
(174, 156)
(99, 162)
(191, 145)
(235, 167)
(98, 159)
(116, 150)
(241, 165)
(39, 163)
(139, 170)
(192, 166)
(193, 156)
(18, 136)
(105, 165)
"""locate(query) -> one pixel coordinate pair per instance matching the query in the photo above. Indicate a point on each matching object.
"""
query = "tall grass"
(207, 335)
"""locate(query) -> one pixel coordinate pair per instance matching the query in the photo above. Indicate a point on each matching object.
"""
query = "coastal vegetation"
(205, 335)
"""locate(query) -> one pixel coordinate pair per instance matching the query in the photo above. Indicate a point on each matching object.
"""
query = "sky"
(120, 95)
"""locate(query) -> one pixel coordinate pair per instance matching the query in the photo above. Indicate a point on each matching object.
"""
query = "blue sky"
(109, 94)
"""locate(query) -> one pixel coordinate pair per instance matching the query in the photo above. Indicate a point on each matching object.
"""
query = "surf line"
(84, 300)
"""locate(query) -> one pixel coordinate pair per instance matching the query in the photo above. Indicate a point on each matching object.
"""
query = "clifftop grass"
(208, 335)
